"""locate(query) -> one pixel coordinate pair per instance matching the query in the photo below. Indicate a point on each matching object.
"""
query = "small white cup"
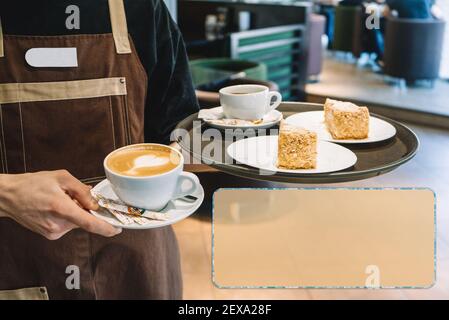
(152, 192)
(248, 102)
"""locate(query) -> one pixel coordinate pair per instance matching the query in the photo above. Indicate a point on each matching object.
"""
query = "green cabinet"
(280, 49)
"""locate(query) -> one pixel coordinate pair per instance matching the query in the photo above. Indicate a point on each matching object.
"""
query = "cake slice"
(345, 120)
(297, 148)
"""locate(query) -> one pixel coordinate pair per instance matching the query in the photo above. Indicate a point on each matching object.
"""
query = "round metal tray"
(373, 159)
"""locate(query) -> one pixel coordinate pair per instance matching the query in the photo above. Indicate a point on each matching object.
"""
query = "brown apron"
(71, 118)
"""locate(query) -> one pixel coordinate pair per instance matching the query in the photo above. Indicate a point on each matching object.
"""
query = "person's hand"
(51, 204)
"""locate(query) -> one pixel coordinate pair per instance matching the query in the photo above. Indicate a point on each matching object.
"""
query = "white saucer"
(177, 210)
(271, 119)
(379, 130)
(261, 152)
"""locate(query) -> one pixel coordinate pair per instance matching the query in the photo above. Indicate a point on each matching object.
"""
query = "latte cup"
(248, 102)
(152, 192)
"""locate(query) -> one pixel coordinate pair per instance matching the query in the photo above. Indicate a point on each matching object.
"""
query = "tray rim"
(334, 177)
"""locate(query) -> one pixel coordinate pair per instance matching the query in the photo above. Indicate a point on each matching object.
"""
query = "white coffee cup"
(248, 102)
(152, 192)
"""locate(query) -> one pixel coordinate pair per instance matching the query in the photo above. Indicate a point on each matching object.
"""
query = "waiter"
(127, 83)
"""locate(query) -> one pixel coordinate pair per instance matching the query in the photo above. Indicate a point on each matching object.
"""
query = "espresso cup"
(150, 189)
(248, 102)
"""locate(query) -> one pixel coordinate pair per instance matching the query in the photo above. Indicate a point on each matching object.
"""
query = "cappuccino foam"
(143, 161)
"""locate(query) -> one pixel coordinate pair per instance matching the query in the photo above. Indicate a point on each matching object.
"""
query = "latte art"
(143, 161)
(150, 161)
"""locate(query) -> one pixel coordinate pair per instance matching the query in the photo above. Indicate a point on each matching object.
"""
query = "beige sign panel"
(324, 238)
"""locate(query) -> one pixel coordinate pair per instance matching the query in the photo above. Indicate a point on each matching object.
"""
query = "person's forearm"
(3, 190)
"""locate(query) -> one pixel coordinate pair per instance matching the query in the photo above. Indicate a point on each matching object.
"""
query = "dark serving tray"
(373, 159)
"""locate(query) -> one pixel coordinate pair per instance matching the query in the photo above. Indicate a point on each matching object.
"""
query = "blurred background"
(386, 54)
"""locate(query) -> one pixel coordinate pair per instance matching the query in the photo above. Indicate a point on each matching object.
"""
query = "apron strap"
(119, 26)
(2, 50)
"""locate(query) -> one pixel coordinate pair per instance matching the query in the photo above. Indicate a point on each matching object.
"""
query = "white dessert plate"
(271, 119)
(261, 152)
(176, 210)
(379, 130)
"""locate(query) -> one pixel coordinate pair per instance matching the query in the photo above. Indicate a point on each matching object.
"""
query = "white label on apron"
(52, 57)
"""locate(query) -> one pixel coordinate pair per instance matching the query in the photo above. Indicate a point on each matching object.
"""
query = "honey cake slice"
(345, 120)
(297, 148)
